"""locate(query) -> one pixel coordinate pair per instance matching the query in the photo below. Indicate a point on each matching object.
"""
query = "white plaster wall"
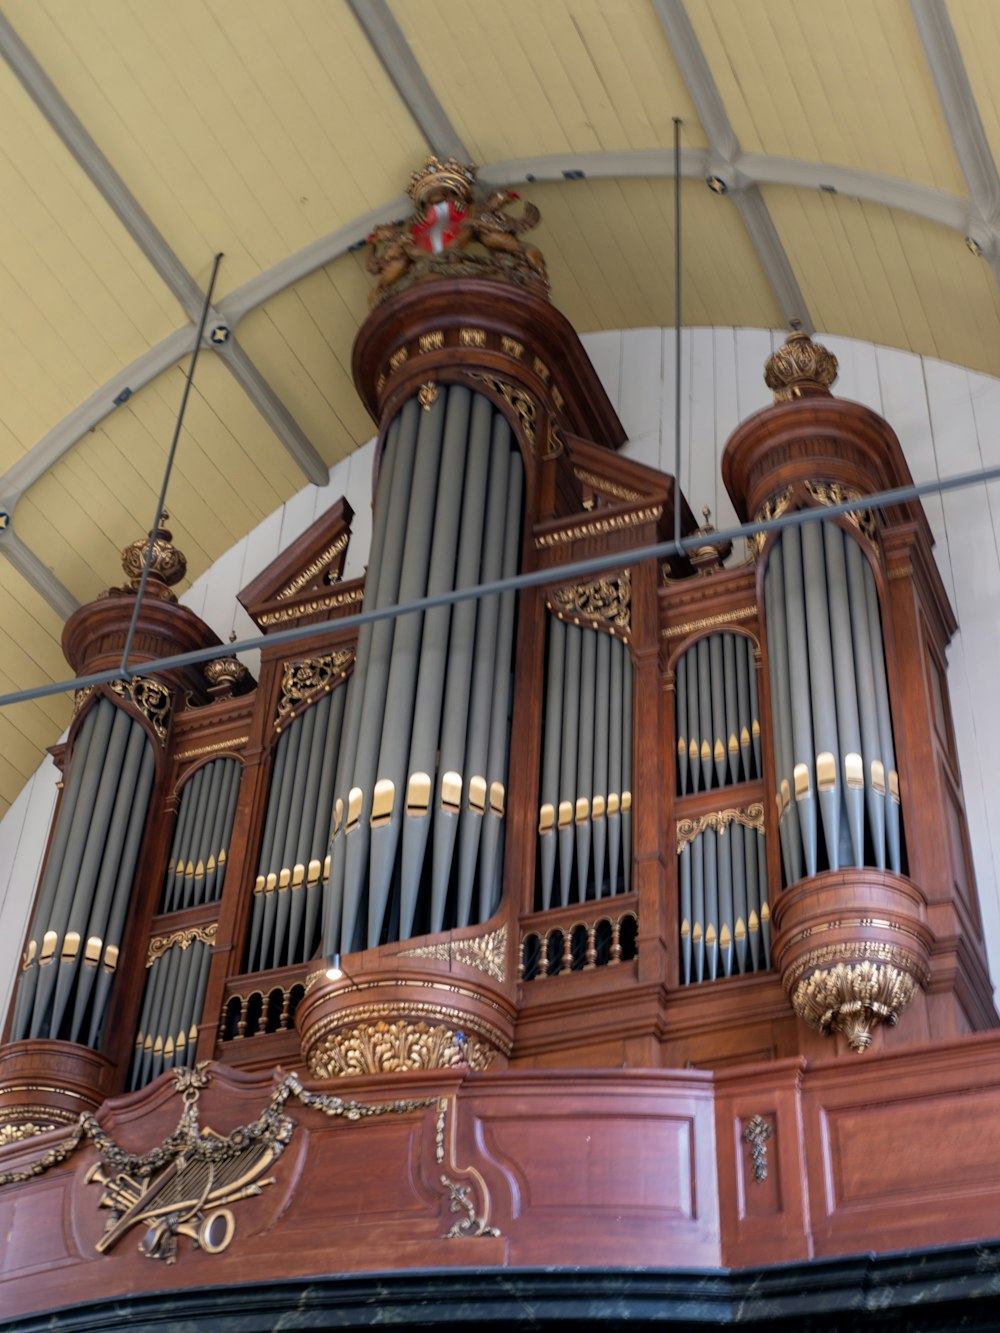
(943, 415)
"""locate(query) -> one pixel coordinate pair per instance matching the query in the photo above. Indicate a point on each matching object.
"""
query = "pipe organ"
(690, 813)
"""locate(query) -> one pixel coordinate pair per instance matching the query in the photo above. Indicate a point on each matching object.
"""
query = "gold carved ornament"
(751, 817)
(304, 680)
(853, 998)
(755, 1135)
(315, 568)
(522, 403)
(607, 487)
(167, 565)
(152, 700)
(378, 1041)
(773, 507)
(182, 939)
(486, 953)
(185, 1186)
(834, 493)
(798, 366)
(332, 601)
(599, 527)
(603, 603)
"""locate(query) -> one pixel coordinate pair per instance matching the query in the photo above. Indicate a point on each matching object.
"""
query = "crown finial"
(167, 565)
(448, 178)
(799, 368)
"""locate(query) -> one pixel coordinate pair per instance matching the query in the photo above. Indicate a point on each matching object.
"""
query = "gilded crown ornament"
(799, 368)
(225, 675)
(167, 565)
(449, 177)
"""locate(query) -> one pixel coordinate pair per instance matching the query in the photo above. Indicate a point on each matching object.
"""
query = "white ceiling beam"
(965, 126)
(76, 139)
(41, 578)
(390, 45)
(725, 150)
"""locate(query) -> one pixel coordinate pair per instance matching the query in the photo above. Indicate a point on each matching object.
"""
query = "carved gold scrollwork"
(183, 939)
(152, 699)
(487, 953)
(834, 493)
(773, 507)
(751, 816)
(603, 603)
(522, 403)
(310, 676)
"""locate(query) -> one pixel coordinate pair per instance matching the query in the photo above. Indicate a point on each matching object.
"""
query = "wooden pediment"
(303, 582)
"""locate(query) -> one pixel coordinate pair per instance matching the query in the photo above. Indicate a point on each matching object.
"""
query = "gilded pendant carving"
(751, 816)
(305, 679)
(152, 700)
(427, 395)
(486, 953)
(183, 939)
(603, 603)
(755, 1135)
(853, 998)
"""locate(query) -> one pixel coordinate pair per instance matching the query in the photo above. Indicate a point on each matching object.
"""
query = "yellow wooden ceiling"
(271, 129)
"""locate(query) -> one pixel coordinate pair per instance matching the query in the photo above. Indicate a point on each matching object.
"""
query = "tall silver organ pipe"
(584, 822)
(288, 890)
(200, 848)
(725, 915)
(420, 791)
(718, 726)
(837, 787)
(171, 1006)
(76, 932)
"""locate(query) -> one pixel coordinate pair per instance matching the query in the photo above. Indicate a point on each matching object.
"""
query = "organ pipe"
(172, 1003)
(716, 715)
(76, 931)
(725, 915)
(422, 793)
(830, 704)
(200, 848)
(584, 819)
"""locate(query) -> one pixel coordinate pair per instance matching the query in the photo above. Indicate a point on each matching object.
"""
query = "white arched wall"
(944, 416)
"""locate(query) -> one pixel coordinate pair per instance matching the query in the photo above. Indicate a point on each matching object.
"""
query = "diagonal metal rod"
(170, 464)
(551, 575)
(677, 328)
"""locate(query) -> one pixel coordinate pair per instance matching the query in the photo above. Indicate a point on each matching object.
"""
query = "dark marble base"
(942, 1289)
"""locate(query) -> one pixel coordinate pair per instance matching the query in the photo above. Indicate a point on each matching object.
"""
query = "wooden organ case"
(620, 870)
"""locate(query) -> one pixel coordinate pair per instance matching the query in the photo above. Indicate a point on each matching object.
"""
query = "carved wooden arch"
(86, 698)
(724, 626)
(184, 776)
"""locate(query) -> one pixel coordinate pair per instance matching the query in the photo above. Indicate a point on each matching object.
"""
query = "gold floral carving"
(602, 603)
(522, 403)
(607, 487)
(395, 1044)
(773, 507)
(233, 743)
(314, 567)
(599, 527)
(751, 816)
(332, 602)
(152, 699)
(183, 939)
(709, 622)
(461, 1202)
(486, 953)
(853, 998)
(755, 1135)
(799, 363)
(853, 953)
(305, 679)
(167, 565)
(834, 493)
(427, 395)
(24, 1129)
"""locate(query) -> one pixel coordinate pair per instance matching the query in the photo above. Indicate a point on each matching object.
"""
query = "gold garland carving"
(152, 699)
(607, 487)
(773, 507)
(183, 939)
(599, 527)
(522, 403)
(853, 998)
(314, 567)
(198, 1170)
(604, 603)
(751, 816)
(233, 743)
(304, 679)
(709, 622)
(334, 601)
(834, 493)
(486, 953)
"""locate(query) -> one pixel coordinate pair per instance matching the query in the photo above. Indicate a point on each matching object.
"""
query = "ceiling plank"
(725, 147)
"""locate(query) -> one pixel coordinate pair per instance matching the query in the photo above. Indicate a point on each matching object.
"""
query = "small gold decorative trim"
(23, 1129)
(511, 347)
(604, 603)
(708, 622)
(332, 602)
(834, 493)
(773, 507)
(607, 487)
(472, 337)
(599, 527)
(755, 1135)
(233, 743)
(431, 342)
(159, 944)
(751, 817)
(314, 567)
(522, 403)
(486, 953)
(397, 359)
(427, 395)
(81, 698)
(308, 677)
(152, 699)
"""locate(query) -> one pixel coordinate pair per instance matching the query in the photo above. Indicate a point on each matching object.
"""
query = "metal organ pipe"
(829, 689)
(429, 698)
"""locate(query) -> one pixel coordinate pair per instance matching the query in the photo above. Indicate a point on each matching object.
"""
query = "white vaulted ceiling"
(858, 143)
